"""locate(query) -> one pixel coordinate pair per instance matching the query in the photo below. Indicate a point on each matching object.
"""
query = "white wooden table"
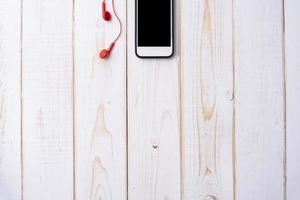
(218, 121)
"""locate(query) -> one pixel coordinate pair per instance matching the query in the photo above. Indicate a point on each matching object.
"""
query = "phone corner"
(136, 53)
(172, 54)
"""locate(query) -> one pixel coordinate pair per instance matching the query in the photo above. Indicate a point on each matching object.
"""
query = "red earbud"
(105, 52)
(105, 14)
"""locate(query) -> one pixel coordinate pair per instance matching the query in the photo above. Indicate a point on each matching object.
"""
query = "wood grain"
(10, 100)
(47, 100)
(153, 122)
(218, 121)
(259, 93)
(207, 94)
(292, 44)
(100, 104)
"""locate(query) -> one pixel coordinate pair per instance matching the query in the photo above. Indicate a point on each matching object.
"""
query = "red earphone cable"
(120, 23)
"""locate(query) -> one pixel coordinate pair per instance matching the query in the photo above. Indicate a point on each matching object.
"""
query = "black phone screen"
(154, 23)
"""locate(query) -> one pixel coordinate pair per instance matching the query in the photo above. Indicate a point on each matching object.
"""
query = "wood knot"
(231, 98)
(155, 146)
(208, 172)
(210, 197)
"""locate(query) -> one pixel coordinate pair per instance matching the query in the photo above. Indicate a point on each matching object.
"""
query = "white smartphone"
(154, 28)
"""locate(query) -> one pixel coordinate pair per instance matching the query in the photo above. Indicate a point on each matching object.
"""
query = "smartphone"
(154, 28)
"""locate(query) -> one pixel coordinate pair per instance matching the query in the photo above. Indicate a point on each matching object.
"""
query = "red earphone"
(107, 16)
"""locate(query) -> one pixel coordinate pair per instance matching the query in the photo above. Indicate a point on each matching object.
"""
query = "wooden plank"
(259, 93)
(153, 122)
(292, 41)
(10, 100)
(47, 100)
(207, 94)
(100, 94)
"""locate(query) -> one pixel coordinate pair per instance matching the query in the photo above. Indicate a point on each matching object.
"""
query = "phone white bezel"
(153, 51)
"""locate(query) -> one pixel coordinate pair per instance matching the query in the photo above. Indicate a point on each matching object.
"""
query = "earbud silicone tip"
(104, 54)
(107, 16)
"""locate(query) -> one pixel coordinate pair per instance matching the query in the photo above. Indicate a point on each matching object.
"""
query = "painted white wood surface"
(259, 99)
(216, 121)
(100, 104)
(47, 100)
(153, 123)
(207, 94)
(292, 61)
(10, 100)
